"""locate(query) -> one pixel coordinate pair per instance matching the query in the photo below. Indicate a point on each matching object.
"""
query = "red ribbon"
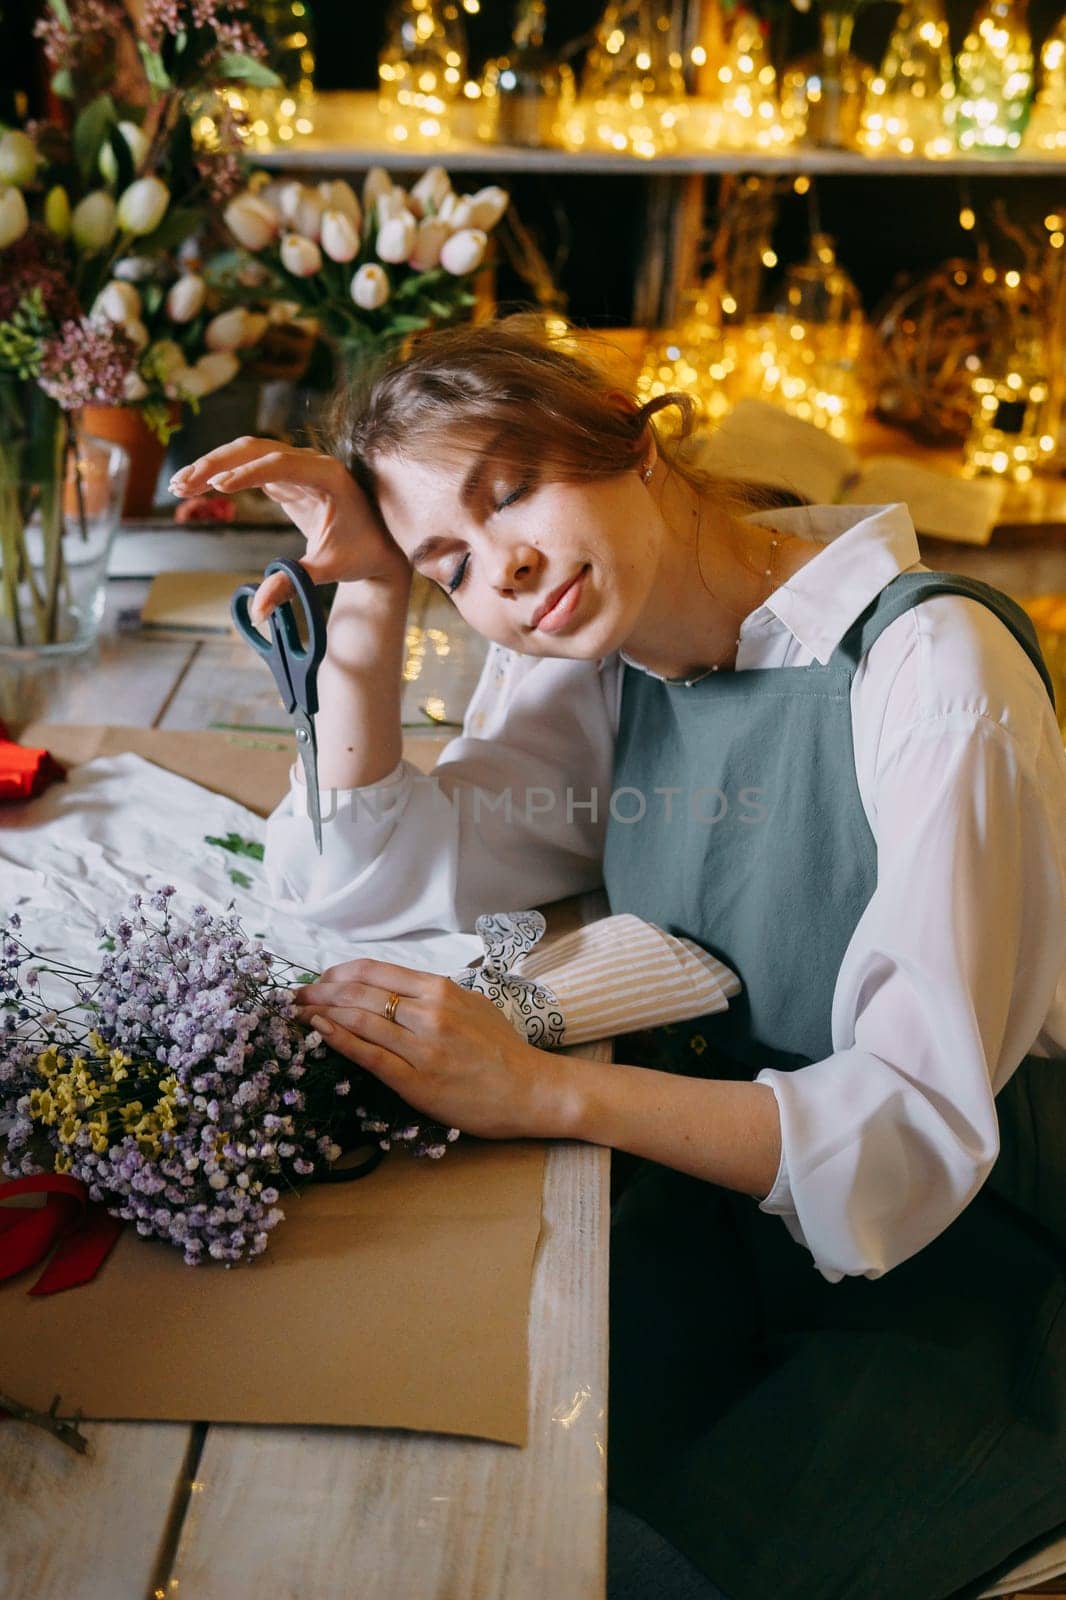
(25, 773)
(84, 1233)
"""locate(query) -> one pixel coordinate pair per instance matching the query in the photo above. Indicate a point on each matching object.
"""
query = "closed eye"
(515, 494)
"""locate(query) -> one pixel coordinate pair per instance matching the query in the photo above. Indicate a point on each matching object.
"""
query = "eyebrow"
(468, 492)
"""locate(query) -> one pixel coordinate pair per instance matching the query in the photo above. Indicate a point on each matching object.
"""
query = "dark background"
(592, 226)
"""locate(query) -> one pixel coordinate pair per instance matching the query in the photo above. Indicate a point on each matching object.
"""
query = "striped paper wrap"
(609, 977)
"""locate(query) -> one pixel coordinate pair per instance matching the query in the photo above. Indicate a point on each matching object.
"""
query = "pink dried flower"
(94, 25)
(87, 363)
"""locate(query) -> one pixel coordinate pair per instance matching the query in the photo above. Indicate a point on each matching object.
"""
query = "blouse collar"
(864, 548)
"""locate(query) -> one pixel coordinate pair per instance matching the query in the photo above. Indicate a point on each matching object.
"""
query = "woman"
(780, 735)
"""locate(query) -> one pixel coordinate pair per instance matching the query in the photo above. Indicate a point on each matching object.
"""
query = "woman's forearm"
(724, 1132)
(360, 684)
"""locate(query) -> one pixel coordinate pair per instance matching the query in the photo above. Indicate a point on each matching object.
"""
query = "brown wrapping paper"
(400, 1300)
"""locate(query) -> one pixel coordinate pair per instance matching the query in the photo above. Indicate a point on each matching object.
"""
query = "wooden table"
(246, 1513)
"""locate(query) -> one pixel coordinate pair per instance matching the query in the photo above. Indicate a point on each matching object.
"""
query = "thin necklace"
(775, 540)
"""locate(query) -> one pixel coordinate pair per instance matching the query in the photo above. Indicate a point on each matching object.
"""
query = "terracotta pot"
(125, 425)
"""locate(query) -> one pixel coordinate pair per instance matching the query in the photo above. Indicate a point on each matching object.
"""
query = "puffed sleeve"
(511, 816)
(954, 973)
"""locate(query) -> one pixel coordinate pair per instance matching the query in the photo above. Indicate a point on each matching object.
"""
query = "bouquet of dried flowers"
(176, 1082)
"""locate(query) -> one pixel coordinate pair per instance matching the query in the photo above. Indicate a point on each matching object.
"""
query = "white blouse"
(957, 967)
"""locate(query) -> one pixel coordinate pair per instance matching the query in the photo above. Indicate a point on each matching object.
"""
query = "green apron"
(898, 1438)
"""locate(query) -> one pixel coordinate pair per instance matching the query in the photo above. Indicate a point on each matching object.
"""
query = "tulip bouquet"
(95, 204)
(373, 268)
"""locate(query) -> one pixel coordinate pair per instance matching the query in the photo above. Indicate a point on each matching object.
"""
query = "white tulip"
(57, 211)
(255, 325)
(185, 383)
(300, 256)
(290, 195)
(226, 331)
(432, 235)
(464, 252)
(118, 302)
(370, 287)
(217, 369)
(14, 218)
(190, 254)
(134, 388)
(340, 196)
(447, 208)
(143, 205)
(396, 238)
(136, 331)
(431, 189)
(252, 222)
(137, 143)
(165, 357)
(461, 214)
(487, 206)
(392, 207)
(270, 193)
(340, 240)
(134, 269)
(376, 183)
(185, 298)
(307, 216)
(92, 222)
(18, 158)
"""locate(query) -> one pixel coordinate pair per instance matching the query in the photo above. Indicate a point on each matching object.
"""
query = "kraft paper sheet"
(400, 1300)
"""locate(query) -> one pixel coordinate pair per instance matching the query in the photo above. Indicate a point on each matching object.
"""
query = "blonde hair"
(542, 397)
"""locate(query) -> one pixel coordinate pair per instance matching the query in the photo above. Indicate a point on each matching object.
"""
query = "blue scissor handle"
(295, 667)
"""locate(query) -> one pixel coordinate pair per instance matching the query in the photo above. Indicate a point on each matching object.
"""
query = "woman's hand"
(346, 539)
(449, 1052)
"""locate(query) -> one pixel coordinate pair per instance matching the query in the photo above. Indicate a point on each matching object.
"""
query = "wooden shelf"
(348, 138)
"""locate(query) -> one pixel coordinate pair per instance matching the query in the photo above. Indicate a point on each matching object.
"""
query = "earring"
(646, 475)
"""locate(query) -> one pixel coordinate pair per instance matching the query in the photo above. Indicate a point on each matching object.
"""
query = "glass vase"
(908, 107)
(632, 89)
(822, 94)
(421, 72)
(994, 70)
(287, 30)
(56, 528)
(1046, 129)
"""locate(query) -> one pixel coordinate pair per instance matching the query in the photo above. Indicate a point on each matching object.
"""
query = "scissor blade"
(307, 745)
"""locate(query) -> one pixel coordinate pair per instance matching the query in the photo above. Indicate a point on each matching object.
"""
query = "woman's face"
(503, 545)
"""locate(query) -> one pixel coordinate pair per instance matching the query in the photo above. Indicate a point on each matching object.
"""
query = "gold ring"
(390, 1007)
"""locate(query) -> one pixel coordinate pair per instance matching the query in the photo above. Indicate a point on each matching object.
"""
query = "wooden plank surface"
(307, 1512)
(87, 1527)
(313, 1514)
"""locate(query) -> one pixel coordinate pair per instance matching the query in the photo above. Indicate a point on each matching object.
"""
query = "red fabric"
(207, 508)
(84, 1233)
(25, 773)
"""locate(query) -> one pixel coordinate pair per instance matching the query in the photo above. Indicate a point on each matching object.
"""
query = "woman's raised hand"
(346, 539)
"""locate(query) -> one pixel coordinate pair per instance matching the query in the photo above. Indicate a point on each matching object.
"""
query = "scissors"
(295, 667)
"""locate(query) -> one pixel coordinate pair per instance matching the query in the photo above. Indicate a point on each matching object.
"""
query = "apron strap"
(910, 589)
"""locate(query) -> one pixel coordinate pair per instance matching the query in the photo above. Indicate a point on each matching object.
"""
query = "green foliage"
(22, 337)
(246, 69)
(175, 228)
(90, 131)
(236, 844)
(154, 70)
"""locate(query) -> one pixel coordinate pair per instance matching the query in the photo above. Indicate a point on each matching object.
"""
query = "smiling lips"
(560, 604)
